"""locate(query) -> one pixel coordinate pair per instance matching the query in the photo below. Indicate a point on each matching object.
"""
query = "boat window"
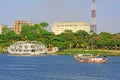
(12, 49)
(20, 50)
(40, 49)
(32, 50)
(26, 46)
(26, 50)
(80, 58)
(20, 46)
(32, 46)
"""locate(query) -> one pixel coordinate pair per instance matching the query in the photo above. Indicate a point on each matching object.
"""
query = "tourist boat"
(27, 48)
(86, 55)
(90, 58)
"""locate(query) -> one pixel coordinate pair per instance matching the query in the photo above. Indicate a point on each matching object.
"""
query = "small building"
(60, 27)
(18, 25)
(2, 26)
(27, 48)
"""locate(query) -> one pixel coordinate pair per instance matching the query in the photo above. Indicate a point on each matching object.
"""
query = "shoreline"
(101, 52)
(77, 51)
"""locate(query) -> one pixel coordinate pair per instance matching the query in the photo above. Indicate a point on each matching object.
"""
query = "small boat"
(86, 55)
(90, 58)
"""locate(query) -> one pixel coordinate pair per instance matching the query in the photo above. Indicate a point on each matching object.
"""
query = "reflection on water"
(60, 67)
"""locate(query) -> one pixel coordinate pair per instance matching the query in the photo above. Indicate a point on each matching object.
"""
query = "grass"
(1, 51)
(101, 52)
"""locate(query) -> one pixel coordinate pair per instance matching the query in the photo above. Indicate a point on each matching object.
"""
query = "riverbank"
(77, 51)
(101, 52)
(3, 51)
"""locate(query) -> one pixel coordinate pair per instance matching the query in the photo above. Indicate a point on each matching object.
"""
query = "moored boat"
(86, 55)
(90, 58)
(27, 48)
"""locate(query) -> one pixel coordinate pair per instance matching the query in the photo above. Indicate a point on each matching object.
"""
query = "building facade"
(60, 27)
(18, 25)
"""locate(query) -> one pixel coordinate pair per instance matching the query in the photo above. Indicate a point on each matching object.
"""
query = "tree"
(64, 40)
(35, 33)
(115, 41)
(104, 40)
(44, 24)
(5, 31)
(31, 32)
(8, 37)
(93, 41)
(82, 38)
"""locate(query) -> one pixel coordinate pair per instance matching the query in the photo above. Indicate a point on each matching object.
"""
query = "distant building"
(18, 24)
(60, 27)
(2, 26)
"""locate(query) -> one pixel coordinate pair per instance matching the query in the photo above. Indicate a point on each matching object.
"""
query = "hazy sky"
(108, 12)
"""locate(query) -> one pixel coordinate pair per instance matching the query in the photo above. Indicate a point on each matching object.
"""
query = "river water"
(58, 67)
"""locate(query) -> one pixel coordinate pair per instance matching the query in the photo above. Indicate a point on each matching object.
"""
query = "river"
(57, 67)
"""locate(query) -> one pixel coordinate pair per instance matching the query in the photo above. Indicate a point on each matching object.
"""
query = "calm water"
(60, 67)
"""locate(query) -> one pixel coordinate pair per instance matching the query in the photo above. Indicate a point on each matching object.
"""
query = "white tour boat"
(27, 48)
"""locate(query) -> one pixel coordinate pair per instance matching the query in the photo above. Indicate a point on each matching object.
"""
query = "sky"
(107, 12)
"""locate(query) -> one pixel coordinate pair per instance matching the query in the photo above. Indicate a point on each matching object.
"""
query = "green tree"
(115, 41)
(8, 37)
(104, 40)
(93, 41)
(82, 38)
(35, 32)
(44, 24)
(66, 40)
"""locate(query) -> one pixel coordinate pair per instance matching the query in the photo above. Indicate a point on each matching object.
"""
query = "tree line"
(66, 40)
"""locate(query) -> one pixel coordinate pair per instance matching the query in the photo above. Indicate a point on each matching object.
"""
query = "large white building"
(60, 27)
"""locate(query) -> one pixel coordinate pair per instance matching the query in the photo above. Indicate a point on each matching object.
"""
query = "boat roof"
(85, 54)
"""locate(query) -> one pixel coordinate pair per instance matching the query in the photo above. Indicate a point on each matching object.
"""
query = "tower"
(93, 18)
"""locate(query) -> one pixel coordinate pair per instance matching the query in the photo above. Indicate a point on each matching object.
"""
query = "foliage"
(44, 24)
(64, 41)
(101, 52)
